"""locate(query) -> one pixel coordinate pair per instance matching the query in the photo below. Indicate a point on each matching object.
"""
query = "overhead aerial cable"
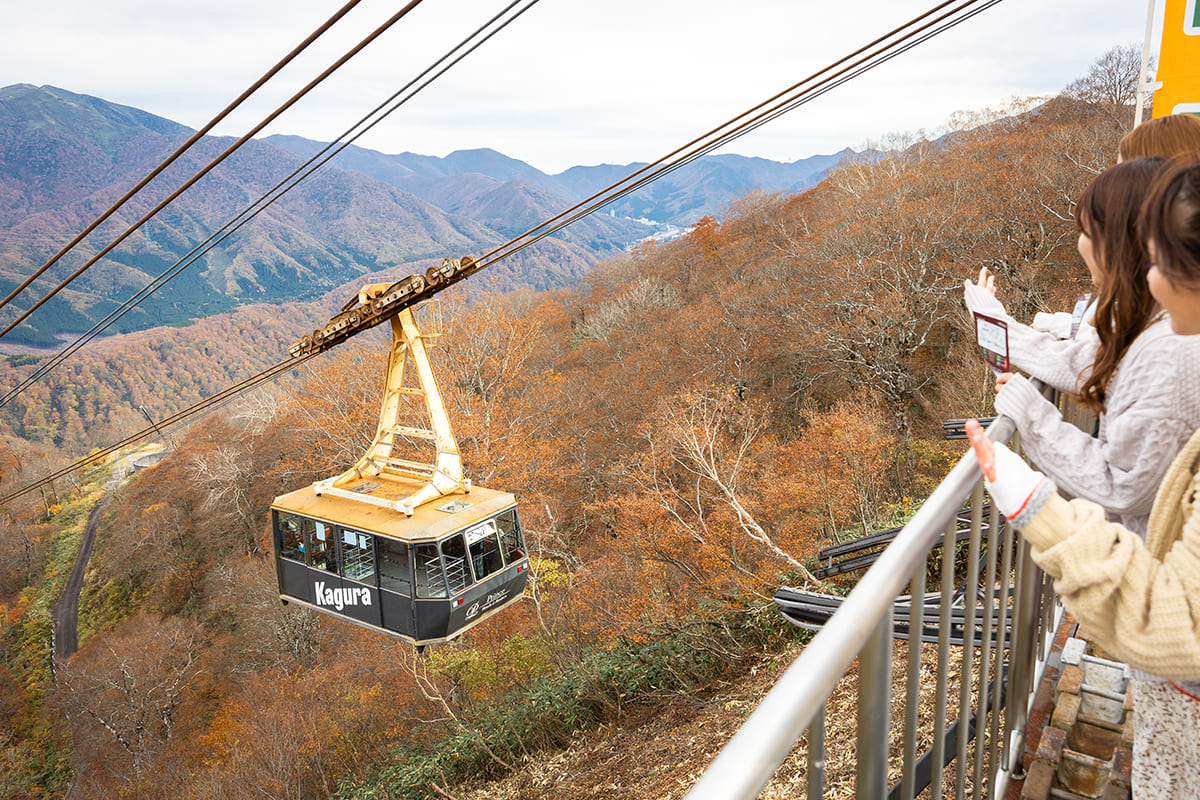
(877, 52)
(865, 58)
(195, 137)
(305, 170)
(213, 164)
(881, 50)
(414, 289)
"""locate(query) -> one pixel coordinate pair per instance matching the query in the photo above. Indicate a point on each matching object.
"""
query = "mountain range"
(65, 158)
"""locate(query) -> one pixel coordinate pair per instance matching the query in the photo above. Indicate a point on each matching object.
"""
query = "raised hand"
(986, 281)
(1018, 490)
(985, 451)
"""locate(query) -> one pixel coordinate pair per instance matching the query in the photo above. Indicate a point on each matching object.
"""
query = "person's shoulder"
(1160, 339)
(1160, 360)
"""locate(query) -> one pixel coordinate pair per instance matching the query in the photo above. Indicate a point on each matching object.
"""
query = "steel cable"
(210, 403)
(777, 105)
(197, 136)
(305, 170)
(213, 164)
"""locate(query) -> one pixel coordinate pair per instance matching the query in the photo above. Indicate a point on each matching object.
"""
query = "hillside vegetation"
(66, 158)
(683, 431)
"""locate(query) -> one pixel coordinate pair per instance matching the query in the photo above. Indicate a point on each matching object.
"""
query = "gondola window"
(321, 547)
(291, 538)
(431, 582)
(358, 556)
(454, 556)
(510, 536)
(485, 550)
(393, 567)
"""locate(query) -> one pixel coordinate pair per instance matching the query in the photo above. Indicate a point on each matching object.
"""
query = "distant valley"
(65, 158)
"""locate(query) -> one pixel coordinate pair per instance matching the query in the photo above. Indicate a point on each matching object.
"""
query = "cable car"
(399, 546)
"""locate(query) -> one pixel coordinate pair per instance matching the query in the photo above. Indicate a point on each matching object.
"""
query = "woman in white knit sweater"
(1129, 373)
(1139, 598)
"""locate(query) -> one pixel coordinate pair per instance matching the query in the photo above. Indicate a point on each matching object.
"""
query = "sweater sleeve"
(1120, 471)
(1143, 609)
(1057, 362)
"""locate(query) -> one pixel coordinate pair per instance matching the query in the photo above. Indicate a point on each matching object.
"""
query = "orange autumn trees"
(123, 695)
(684, 431)
(725, 505)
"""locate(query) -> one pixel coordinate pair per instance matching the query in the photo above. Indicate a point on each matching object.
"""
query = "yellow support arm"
(442, 477)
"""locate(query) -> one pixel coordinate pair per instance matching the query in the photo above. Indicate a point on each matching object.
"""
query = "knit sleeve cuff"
(1017, 398)
(1057, 521)
(981, 301)
(1040, 497)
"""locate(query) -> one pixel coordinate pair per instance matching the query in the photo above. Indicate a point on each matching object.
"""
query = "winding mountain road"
(65, 613)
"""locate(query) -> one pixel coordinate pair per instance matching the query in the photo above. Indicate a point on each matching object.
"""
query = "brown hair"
(1171, 219)
(1174, 135)
(1107, 213)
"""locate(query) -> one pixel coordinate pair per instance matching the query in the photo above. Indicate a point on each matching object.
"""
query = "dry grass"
(658, 752)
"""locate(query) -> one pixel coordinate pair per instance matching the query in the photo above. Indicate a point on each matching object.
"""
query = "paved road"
(65, 612)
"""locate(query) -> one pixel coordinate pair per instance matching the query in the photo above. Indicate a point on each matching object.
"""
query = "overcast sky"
(570, 82)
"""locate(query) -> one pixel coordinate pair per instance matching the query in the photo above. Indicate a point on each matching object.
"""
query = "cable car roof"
(430, 521)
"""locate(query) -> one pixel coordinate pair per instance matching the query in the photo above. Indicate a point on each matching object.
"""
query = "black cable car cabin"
(425, 578)
(395, 545)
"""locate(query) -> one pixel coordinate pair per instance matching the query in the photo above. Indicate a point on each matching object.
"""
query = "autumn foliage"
(684, 432)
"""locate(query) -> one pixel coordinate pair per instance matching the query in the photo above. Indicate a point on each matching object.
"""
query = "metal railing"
(978, 742)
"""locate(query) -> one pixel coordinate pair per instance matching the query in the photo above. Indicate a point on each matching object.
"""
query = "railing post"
(1005, 648)
(993, 629)
(916, 629)
(816, 757)
(966, 665)
(874, 711)
(945, 622)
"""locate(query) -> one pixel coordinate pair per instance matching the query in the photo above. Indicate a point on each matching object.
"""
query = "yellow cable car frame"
(402, 547)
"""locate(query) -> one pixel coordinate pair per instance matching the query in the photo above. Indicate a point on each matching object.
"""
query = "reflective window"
(454, 557)
(485, 549)
(430, 580)
(320, 545)
(510, 536)
(393, 566)
(289, 536)
(358, 556)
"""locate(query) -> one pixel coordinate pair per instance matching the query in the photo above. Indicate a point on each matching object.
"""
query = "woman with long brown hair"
(1130, 378)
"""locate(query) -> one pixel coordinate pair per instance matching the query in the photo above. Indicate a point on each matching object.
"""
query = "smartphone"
(992, 335)
(1081, 306)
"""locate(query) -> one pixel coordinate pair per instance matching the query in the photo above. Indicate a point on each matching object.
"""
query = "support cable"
(769, 110)
(213, 164)
(195, 137)
(305, 170)
(766, 111)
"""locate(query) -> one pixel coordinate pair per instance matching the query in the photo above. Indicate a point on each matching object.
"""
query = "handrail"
(749, 760)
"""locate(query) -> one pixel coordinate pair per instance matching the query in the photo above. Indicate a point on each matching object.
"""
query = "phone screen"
(992, 336)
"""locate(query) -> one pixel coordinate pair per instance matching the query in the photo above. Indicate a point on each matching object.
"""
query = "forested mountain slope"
(65, 158)
(683, 431)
